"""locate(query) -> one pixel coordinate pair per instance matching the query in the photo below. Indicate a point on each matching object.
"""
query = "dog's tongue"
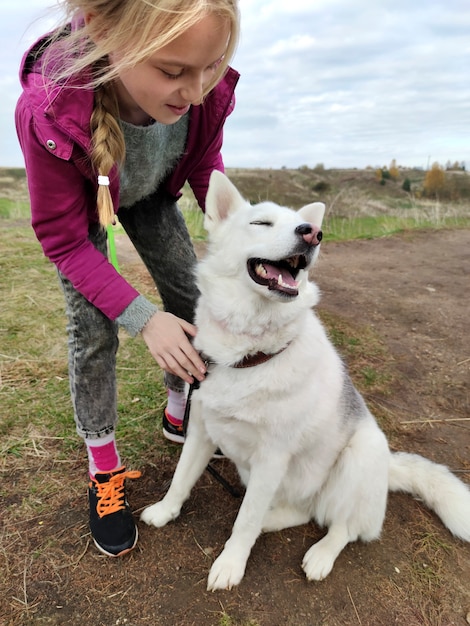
(280, 276)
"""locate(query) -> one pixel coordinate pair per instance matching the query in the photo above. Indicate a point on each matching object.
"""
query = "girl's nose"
(193, 89)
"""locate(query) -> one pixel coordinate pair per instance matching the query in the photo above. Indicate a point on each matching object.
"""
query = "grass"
(427, 573)
(13, 209)
(369, 362)
(372, 227)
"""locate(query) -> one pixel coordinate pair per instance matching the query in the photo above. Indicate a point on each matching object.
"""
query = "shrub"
(321, 187)
(435, 181)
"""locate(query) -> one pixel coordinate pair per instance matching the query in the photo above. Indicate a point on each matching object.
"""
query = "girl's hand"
(167, 339)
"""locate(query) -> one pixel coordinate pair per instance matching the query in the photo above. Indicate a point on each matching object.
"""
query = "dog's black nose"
(310, 233)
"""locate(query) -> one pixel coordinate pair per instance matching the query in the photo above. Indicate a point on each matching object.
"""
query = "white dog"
(279, 402)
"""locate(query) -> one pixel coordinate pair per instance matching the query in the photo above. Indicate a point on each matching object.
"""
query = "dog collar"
(250, 360)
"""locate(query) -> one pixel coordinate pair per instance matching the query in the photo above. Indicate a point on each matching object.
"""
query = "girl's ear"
(88, 17)
(92, 29)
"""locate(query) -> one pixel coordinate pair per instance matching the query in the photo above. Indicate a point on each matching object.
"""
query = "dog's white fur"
(301, 436)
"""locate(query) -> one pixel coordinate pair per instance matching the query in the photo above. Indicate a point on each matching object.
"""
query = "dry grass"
(421, 585)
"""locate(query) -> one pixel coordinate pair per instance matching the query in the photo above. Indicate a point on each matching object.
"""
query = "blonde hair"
(137, 28)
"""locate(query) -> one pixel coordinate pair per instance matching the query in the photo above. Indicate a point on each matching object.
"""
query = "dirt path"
(413, 293)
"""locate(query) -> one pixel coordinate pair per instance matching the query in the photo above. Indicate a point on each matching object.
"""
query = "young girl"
(120, 106)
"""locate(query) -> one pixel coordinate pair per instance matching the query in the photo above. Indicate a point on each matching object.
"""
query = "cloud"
(330, 81)
(354, 84)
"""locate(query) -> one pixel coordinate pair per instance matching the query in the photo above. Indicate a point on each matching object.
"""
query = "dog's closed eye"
(261, 223)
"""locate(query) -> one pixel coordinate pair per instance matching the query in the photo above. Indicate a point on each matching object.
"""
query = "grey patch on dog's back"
(353, 405)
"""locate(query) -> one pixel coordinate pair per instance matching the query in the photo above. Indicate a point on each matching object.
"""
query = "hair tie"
(103, 180)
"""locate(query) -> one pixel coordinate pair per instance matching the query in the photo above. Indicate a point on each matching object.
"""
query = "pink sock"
(176, 406)
(102, 454)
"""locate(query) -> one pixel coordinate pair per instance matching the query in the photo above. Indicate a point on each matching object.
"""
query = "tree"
(435, 181)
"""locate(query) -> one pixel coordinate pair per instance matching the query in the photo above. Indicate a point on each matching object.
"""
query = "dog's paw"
(225, 573)
(158, 514)
(318, 562)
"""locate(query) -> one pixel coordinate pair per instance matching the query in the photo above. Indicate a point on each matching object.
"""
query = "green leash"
(112, 247)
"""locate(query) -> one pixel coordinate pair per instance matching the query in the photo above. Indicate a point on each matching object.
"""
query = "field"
(393, 273)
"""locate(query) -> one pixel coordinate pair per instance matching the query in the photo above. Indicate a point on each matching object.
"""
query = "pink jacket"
(52, 123)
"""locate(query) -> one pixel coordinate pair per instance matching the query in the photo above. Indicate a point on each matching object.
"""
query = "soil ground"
(411, 291)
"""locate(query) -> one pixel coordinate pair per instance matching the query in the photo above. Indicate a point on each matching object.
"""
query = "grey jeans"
(158, 231)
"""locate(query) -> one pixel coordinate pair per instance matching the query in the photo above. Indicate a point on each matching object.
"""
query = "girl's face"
(165, 85)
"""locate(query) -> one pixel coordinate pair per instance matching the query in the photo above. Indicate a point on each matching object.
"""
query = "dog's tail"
(439, 489)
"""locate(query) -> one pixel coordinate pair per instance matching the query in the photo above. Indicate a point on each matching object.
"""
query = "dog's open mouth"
(278, 275)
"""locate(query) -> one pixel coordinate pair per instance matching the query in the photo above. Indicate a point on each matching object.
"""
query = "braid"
(108, 146)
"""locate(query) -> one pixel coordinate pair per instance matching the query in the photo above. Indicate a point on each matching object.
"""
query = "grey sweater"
(151, 153)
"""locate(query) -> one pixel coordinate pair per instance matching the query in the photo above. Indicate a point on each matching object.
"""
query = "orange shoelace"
(111, 494)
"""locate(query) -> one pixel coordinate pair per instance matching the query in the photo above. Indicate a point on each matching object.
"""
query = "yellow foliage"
(435, 180)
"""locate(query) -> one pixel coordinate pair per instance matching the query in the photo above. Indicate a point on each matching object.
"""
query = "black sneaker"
(175, 434)
(172, 432)
(111, 522)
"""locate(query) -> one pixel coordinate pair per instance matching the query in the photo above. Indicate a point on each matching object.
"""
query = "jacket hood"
(51, 103)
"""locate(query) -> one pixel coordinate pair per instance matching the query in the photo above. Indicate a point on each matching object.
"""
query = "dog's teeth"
(261, 270)
(279, 280)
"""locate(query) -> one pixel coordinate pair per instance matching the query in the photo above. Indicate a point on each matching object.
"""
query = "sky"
(340, 83)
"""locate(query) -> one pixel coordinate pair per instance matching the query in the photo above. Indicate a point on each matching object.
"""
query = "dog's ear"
(313, 213)
(221, 200)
